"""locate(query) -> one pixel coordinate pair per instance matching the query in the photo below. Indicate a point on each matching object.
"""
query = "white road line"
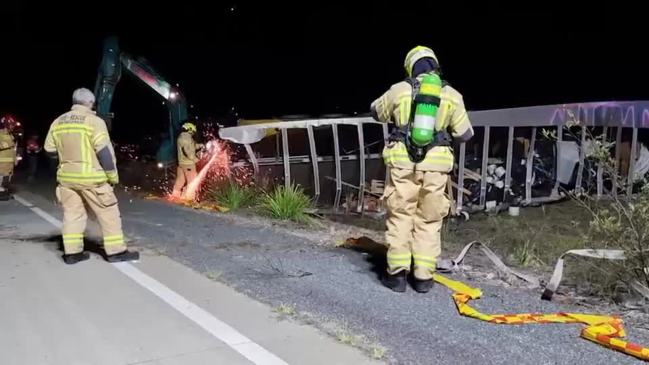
(55, 222)
(217, 328)
(208, 322)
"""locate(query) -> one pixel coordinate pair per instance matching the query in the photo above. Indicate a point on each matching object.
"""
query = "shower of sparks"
(216, 168)
(215, 164)
(131, 151)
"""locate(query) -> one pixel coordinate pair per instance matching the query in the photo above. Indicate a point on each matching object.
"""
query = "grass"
(231, 195)
(534, 239)
(598, 278)
(348, 338)
(214, 275)
(286, 203)
(344, 334)
(524, 255)
(285, 310)
(377, 351)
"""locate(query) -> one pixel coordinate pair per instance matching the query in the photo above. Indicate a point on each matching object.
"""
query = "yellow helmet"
(415, 55)
(189, 127)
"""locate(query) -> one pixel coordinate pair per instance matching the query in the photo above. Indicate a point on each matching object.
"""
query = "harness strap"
(416, 153)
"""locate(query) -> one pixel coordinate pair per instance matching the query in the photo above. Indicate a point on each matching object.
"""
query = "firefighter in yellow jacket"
(415, 195)
(187, 159)
(7, 156)
(86, 172)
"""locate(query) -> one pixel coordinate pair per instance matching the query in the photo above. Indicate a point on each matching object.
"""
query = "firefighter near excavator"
(428, 114)
(187, 158)
(86, 174)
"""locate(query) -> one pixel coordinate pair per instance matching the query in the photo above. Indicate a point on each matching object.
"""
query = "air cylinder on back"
(426, 106)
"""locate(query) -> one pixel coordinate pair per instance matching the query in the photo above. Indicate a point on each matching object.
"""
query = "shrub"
(619, 223)
(230, 195)
(289, 203)
(234, 196)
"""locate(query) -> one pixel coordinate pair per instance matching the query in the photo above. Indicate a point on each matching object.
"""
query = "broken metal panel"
(361, 180)
(632, 158)
(485, 162)
(628, 120)
(555, 190)
(586, 117)
(582, 157)
(334, 128)
(265, 161)
(277, 148)
(530, 165)
(508, 168)
(255, 133)
(618, 142)
(287, 156)
(253, 159)
(342, 182)
(386, 137)
(314, 161)
(460, 176)
(543, 200)
(600, 168)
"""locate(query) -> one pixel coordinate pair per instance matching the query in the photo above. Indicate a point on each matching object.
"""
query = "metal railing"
(618, 115)
(236, 134)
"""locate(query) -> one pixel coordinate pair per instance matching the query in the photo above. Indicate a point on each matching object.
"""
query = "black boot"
(396, 282)
(76, 257)
(422, 286)
(124, 256)
(5, 194)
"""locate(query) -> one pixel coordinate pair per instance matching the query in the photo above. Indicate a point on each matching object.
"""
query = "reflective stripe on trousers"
(417, 204)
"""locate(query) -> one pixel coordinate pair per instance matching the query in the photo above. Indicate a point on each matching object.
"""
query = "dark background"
(273, 58)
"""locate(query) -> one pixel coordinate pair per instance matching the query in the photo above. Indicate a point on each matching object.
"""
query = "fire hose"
(604, 330)
(607, 331)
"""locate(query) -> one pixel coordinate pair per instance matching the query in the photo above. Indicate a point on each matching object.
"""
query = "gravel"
(341, 287)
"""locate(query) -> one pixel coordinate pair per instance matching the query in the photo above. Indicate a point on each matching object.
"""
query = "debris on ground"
(370, 204)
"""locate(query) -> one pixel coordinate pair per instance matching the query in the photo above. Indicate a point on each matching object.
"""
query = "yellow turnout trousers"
(103, 203)
(184, 176)
(417, 204)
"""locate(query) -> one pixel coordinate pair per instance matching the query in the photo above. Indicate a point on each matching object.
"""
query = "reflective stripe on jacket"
(77, 136)
(395, 106)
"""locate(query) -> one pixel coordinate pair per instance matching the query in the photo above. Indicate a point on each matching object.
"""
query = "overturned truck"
(510, 160)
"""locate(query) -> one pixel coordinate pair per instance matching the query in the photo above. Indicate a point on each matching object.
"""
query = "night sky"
(315, 58)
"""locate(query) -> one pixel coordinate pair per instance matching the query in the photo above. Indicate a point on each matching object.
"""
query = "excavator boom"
(110, 70)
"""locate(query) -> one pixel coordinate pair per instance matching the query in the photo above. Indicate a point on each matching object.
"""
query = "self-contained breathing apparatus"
(419, 134)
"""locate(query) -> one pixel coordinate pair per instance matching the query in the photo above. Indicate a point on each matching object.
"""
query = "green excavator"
(110, 71)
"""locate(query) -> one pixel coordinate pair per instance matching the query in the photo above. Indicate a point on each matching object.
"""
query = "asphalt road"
(155, 311)
(336, 288)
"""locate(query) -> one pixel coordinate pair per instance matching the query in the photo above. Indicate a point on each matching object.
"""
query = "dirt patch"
(534, 240)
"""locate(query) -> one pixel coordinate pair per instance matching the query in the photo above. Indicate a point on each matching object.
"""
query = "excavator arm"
(110, 71)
